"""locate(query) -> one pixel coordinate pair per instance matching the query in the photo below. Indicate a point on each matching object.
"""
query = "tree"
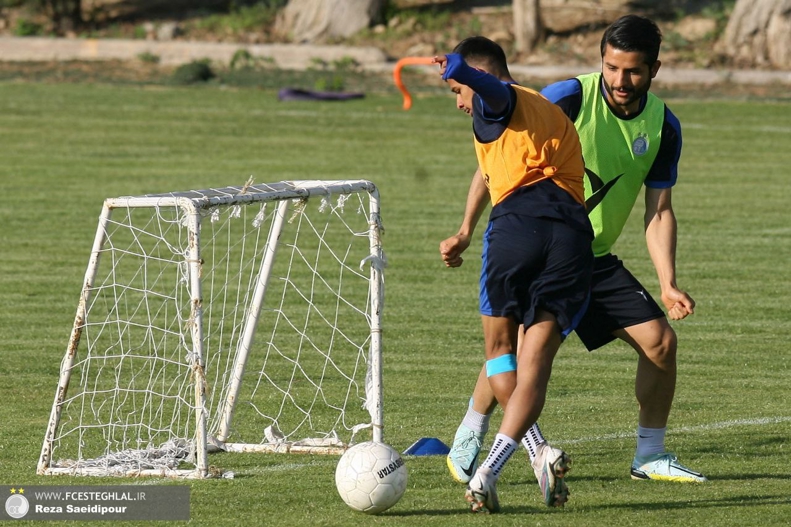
(528, 27)
(66, 15)
(318, 20)
(759, 33)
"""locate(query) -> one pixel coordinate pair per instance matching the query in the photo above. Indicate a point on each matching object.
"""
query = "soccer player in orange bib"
(537, 259)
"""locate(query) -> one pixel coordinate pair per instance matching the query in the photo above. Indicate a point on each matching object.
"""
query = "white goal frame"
(211, 425)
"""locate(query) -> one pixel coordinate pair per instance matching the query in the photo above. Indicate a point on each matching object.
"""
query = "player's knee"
(503, 364)
(498, 347)
(662, 349)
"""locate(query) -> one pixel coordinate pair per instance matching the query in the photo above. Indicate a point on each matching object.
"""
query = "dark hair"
(634, 33)
(480, 51)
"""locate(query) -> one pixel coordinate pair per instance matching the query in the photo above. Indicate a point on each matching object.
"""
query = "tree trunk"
(319, 20)
(66, 15)
(528, 28)
(759, 34)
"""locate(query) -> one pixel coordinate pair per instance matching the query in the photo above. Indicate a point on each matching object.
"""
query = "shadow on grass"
(740, 501)
(746, 500)
(749, 477)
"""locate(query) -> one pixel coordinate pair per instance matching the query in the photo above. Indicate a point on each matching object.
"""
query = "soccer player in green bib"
(630, 139)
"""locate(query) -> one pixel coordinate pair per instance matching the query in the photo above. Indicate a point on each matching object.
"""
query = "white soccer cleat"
(664, 467)
(482, 492)
(550, 466)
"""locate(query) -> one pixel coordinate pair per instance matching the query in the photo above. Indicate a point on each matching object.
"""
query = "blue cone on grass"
(427, 446)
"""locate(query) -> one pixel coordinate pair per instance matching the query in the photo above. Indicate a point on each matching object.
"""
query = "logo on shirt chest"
(640, 145)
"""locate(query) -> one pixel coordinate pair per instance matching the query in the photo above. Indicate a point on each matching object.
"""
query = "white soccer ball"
(371, 477)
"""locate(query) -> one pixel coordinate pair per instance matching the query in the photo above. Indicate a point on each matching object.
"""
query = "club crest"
(640, 145)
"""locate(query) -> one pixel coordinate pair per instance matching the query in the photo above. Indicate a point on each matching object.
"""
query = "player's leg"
(542, 340)
(462, 460)
(499, 336)
(541, 343)
(622, 308)
(541, 454)
(550, 465)
(655, 383)
(499, 370)
(656, 346)
(545, 460)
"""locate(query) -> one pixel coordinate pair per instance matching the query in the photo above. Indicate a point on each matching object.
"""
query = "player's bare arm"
(477, 197)
(660, 237)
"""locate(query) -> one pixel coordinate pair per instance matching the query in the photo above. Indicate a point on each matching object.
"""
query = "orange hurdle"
(408, 61)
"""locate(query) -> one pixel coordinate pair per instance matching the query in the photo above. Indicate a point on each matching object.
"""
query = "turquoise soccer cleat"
(463, 456)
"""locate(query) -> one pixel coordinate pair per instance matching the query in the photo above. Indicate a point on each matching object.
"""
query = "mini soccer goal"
(238, 319)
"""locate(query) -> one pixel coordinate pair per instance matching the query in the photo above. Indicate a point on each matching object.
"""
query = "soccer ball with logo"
(371, 477)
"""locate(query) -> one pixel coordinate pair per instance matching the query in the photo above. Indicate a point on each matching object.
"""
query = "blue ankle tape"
(501, 364)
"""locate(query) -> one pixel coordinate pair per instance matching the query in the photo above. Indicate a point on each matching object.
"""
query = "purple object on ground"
(296, 94)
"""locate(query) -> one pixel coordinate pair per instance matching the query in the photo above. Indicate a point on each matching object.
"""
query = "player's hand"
(678, 303)
(451, 249)
(442, 60)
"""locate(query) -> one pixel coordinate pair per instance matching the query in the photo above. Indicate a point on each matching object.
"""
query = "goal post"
(238, 319)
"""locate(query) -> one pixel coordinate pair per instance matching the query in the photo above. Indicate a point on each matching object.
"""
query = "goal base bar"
(285, 448)
(129, 473)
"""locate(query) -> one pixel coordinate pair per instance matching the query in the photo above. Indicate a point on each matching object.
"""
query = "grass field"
(66, 147)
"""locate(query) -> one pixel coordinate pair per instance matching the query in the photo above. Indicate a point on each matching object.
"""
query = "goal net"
(238, 319)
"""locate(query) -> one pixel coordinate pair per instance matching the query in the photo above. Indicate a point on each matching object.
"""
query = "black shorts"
(618, 300)
(535, 263)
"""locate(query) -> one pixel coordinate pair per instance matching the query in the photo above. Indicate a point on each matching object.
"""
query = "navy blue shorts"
(535, 263)
(618, 300)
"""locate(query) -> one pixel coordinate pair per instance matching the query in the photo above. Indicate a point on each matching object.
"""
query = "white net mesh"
(142, 394)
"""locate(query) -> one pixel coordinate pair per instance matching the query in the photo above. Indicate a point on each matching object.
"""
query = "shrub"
(26, 28)
(148, 57)
(193, 72)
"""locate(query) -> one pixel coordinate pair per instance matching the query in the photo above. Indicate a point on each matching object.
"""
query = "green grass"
(66, 147)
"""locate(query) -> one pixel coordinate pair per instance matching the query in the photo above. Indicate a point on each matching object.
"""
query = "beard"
(632, 94)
